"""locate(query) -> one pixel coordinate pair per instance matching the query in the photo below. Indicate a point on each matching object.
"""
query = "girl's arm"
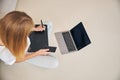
(33, 54)
(37, 53)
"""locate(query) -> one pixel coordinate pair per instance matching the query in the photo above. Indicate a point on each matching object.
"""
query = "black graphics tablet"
(39, 40)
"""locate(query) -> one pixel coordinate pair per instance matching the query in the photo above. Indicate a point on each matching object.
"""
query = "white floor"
(98, 61)
(7, 6)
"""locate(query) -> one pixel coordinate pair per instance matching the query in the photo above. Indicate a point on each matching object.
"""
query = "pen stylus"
(42, 24)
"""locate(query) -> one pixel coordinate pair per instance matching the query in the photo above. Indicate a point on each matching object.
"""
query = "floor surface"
(98, 61)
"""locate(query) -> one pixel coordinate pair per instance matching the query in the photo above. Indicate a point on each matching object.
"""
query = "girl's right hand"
(42, 52)
(38, 28)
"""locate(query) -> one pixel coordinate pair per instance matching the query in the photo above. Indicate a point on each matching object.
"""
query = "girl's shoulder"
(6, 56)
(1, 43)
(1, 48)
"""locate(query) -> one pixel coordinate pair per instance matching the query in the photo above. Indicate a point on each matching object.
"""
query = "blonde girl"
(15, 28)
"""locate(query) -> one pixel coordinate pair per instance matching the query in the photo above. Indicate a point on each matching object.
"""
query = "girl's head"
(14, 29)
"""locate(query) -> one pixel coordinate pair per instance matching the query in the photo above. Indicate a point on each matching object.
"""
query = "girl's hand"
(39, 28)
(42, 52)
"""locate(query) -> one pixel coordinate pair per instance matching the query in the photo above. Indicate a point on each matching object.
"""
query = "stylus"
(42, 24)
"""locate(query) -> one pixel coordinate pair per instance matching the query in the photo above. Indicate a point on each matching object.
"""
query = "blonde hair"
(14, 29)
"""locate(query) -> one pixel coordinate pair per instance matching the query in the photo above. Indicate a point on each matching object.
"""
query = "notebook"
(39, 40)
(72, 40)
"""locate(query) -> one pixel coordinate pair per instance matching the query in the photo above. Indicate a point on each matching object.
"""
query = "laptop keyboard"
(68, 41)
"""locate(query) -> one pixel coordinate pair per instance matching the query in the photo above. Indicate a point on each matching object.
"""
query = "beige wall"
(98, 61)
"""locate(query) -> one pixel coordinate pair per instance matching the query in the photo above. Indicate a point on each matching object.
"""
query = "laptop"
(72, 40)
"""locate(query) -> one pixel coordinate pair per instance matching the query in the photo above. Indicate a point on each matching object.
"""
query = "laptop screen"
(80, 36)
